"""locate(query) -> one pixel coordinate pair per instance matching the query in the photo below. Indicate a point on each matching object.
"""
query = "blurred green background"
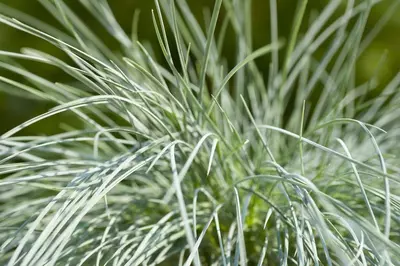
(14, 110)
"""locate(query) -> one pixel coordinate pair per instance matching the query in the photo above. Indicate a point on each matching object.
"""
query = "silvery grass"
(190, 162)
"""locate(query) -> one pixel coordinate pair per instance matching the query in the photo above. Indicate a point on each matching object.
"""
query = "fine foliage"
(189, 160)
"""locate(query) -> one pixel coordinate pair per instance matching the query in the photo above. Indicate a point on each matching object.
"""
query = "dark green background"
(14, 110)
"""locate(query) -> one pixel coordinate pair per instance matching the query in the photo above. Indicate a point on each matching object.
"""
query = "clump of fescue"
(195, 163)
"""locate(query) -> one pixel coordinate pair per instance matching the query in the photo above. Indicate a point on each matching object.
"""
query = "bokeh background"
(15, 109)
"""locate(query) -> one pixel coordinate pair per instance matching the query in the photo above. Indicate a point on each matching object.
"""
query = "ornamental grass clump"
(185, 159)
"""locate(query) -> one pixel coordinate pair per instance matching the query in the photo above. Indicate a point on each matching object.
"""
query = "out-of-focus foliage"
(383, 53)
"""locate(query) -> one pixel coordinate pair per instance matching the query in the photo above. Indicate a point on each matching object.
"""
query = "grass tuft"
(182, 160)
